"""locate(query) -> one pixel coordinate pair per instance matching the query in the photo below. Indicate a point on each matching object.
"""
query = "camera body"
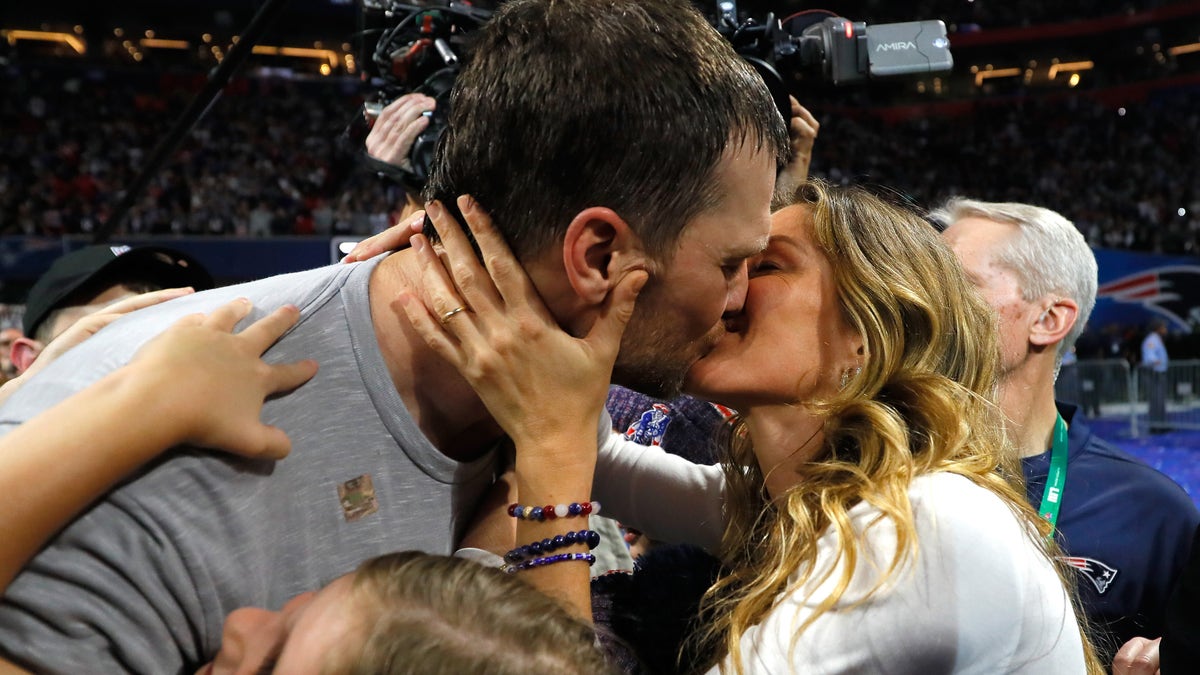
(831, 48)
(840, 50)
(421, 47)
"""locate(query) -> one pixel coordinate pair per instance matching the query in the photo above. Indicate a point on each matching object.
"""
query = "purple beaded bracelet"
(553, 511)
(549, 560)
(589, 537)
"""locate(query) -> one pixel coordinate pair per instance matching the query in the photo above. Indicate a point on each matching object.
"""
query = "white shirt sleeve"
(665, 496)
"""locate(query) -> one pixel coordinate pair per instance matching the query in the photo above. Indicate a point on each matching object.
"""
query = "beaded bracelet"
(549, 560)
(552, 511)
(589, 537)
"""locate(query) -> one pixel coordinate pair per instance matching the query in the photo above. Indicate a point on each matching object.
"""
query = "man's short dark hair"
(628, 104)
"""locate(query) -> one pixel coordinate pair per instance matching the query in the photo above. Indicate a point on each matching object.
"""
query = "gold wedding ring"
(447, 316)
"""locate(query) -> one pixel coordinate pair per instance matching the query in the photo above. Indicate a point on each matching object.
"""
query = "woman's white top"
(979, 597)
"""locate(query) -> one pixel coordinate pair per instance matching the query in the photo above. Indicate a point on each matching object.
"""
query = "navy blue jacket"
(1125, 527)
(1180, 648)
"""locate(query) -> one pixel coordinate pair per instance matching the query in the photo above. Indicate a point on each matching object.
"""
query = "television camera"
(420, 47)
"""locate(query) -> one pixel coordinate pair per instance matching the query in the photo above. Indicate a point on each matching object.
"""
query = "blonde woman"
(871, 520)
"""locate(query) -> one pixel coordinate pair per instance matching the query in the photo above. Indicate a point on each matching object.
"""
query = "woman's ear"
(860, 351)
(599, 247)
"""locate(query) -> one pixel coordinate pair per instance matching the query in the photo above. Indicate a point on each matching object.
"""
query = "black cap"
(157, 265)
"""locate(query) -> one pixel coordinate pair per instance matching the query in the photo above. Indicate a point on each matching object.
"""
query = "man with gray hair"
(1124, 526)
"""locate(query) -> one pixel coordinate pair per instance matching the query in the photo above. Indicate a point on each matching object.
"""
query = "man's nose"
(735, 298)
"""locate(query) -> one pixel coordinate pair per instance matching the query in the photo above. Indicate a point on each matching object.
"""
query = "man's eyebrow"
(749, 251)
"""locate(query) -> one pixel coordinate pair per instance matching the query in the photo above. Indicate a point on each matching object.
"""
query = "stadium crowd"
(268, 159)
(1127, 176)
(265, 162)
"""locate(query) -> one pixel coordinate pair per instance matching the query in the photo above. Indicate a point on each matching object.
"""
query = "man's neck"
(1027, 399)
(442, 403)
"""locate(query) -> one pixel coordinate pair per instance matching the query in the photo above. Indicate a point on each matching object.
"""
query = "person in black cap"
(85, 280)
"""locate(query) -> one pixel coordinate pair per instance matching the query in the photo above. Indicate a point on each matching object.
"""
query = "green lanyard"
(1052, 497)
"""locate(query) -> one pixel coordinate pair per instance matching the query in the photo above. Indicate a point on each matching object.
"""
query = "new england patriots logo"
(1098, 573)
(650, 427)
(1172, 292)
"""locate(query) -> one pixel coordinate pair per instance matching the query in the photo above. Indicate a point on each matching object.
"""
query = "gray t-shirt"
(142, 582)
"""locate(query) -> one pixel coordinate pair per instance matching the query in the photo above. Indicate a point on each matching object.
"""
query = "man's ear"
(24, 352)
(1054, 322)
(599, 247)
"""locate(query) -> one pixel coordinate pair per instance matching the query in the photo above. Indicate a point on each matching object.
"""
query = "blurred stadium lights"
(161, 43)
(1071, 67)
(982, 75)
(1056, 68)
(72, 41)
(328, 55)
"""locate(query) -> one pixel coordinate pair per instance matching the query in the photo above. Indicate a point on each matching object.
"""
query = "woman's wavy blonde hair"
(923, 403)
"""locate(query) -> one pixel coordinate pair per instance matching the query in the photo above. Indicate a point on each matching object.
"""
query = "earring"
(849, 374)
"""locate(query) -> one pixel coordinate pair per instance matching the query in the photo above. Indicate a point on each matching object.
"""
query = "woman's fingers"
(394, 238)
(605, 336)
(509, 278)
(428, 328)
(90, 324)
(467, 273)
(438, 291)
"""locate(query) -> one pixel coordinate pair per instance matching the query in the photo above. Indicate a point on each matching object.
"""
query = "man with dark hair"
(605, 127)
(588, 128)
(92, 277)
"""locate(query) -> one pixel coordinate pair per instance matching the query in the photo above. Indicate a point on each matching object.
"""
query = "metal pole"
(196, 110)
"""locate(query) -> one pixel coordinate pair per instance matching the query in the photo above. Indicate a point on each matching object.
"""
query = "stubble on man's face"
(680, 314)
(654, 360)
